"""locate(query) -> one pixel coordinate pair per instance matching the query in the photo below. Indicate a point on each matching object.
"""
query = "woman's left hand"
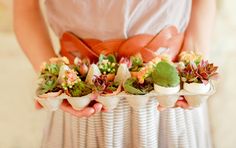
(180, 103)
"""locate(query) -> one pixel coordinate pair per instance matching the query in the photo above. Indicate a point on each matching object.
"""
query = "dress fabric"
(123, 127)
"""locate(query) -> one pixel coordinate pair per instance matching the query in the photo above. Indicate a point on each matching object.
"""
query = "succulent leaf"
(165, 74)
(198, 73)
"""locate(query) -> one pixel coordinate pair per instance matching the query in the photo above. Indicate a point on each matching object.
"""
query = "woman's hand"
(86, 112)
(198, 34)
(180, 103)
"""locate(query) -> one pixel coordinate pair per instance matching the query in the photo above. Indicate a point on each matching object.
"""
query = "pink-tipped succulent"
(200, 73)
(104, 86)
(126, 61)
(82, 66)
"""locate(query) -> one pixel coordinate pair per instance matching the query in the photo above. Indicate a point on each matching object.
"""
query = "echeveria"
(198, 73)
(165, 74)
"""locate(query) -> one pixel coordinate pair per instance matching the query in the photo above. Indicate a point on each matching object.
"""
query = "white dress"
(123, 127)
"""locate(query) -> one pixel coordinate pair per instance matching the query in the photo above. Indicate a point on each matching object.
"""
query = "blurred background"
(21, 126)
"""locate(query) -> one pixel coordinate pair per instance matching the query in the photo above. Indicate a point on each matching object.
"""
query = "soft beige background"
(21, 126)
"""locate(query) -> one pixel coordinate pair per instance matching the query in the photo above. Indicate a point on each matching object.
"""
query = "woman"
(113, 19)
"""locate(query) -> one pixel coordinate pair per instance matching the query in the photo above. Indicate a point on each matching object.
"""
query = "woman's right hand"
(86, 112)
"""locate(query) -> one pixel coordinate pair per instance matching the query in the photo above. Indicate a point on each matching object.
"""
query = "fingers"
(97, 107)
(183, 104)
(86, 112)
(160, 108)
(38, 105)
(180, 103)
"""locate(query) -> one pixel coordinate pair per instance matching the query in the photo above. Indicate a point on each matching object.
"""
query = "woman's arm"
(31, 32)
(33, 36)
(198, 33)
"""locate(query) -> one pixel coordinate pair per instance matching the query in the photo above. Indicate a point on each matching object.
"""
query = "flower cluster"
(146, 70)
(190, 56)
(70, 78)
(107, 64)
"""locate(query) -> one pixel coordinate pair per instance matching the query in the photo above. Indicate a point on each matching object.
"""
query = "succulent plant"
(165, 74)
(81, 66)
(190, 56)
(107, 64)
(198, 73)
(136, 62)
(132, 86)
(103, 86)
(80, 89)
(69, 79)
(49, 75)
(73, 85)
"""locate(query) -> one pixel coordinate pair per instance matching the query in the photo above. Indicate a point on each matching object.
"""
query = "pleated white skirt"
(127, 128)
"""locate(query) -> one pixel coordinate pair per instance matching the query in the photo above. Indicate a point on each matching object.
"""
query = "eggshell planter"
(137, 101)
(50, 101)
(109, 102)
(122, 73)
(93, 71)
(167, 96)
(78, 103)
(199, 89)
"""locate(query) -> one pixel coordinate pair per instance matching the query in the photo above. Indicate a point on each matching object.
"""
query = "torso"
(108, 19)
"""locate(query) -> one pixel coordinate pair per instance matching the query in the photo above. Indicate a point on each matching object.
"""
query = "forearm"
(32, 32)
(199, 30)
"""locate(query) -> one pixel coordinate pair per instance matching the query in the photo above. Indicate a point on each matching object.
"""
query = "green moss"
(166, 75)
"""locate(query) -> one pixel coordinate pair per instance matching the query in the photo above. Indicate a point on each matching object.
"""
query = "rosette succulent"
(49, 75)
(136, 63)
(82, 66)
(165, 74)
(104, 86)
(198, 73)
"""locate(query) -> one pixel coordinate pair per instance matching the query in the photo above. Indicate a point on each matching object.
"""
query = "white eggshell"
(79, 103)
(110, 102)
(197, 88)
(166, 90)
(51, 104)
(62, 71)
(166, 98)
(122, 73)
(137, 101)
(93, 71)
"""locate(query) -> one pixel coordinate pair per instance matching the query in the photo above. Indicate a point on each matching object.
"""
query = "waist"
(168, 41)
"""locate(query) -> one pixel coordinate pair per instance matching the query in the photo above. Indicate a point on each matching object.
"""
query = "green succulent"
(80, 89)
(132, 86)
(48, 85)
(166, 75)
(137, 63)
